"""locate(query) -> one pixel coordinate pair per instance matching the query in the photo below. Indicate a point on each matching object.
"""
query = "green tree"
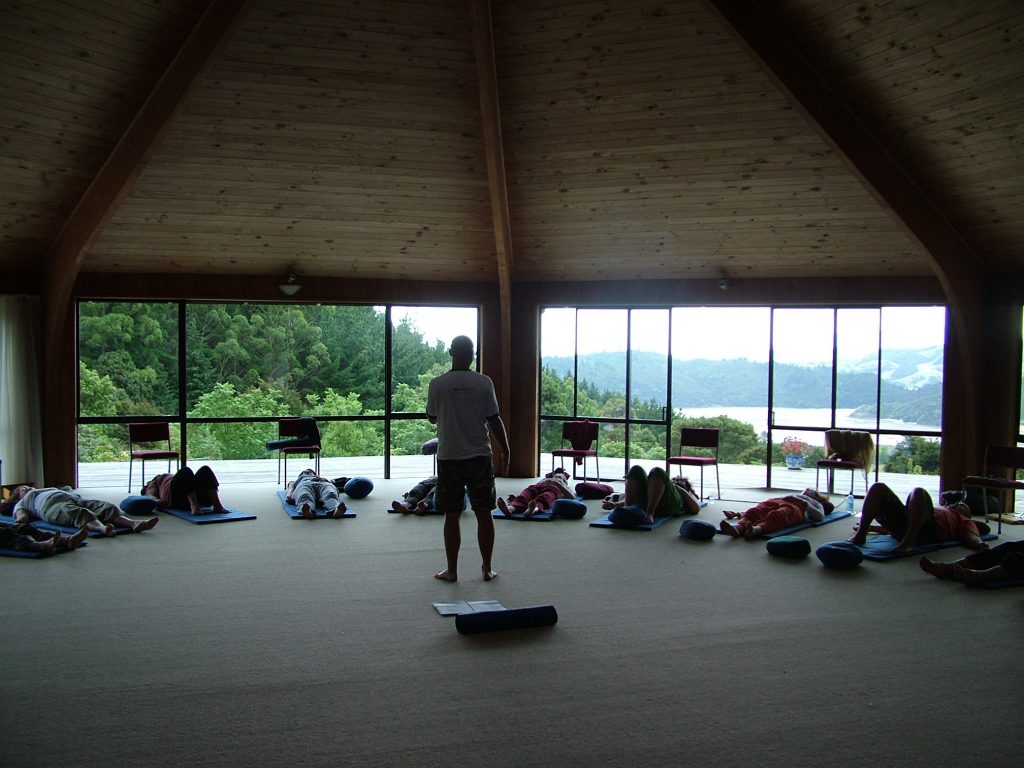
(234, 440)
(914, 456)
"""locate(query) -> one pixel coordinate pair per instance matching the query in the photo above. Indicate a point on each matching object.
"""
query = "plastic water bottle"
(849, 503)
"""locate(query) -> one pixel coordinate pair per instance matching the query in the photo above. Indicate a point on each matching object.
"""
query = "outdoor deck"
(739, 482)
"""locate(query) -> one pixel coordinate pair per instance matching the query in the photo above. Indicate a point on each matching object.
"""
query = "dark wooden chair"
(999, 474)
(295, 430)
(143, 438)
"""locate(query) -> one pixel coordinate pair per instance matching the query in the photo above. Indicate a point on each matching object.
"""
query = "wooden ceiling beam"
(100, 201)
(490, 115)
(955, 263)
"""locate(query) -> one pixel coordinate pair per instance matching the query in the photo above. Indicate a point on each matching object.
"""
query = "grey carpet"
(278, 642)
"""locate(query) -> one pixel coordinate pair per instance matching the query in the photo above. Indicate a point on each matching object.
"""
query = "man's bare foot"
(421, 509)
(307, 511)
(489, 575)
(730, 515)
(503, 507)
(58, 539)
(751, 532)
(729, 529)
(339, 511)
(531, 509)
(76, 538)
(858, 538)
(445, 575)
(108, 530)
(145, 525)
(938, 570)
(398, 506)
(195, 509)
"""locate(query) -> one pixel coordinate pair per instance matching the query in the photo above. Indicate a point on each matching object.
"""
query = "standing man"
(463, 405)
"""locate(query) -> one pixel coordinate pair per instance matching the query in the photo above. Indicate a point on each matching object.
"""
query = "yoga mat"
(320, 513)
(462, 606)
(807, 524)
(68, 529)
(1008, 519)
(34, 555)
(540, 517)
(512, 618)
(231, 516)
(604, 522)
(881, 546)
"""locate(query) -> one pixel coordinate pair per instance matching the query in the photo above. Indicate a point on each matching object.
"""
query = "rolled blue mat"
(513, 618)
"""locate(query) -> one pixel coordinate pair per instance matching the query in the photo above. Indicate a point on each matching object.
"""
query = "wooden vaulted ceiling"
(634, 139)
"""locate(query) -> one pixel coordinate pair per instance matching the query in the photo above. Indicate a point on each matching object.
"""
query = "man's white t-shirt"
(462, 402)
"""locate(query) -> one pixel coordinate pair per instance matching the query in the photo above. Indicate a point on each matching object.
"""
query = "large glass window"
(244, 366)
(870, 369)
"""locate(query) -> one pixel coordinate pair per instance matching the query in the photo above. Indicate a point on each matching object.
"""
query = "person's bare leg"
(503, 507)
(74, 540)
(919, 510)
(193, 504)
(137, 526)
(729, 529)
(47, 547)
(452, 542)
(971, 577)
(485, 538)
(213, 499)
(877, 496)
(655, 490)
(938, 570)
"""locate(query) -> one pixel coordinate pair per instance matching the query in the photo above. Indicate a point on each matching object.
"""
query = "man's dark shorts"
(458, 477)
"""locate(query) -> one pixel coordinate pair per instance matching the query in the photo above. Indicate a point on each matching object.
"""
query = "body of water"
(814, 418)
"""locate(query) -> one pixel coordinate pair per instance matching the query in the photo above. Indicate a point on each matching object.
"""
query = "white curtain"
(21, 438)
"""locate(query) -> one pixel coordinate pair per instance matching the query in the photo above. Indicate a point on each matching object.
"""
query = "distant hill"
(911, 381)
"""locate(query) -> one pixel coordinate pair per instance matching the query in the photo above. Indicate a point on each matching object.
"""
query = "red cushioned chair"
(585, 439)
(148, 433)
(705, 439)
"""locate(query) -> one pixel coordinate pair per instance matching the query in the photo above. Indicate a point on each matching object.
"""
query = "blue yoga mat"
(604, 522)
(540, 517)
(882, 546)
(68, 529)
(34, 555)
(807, 524)
(319, 512)
(231, 516)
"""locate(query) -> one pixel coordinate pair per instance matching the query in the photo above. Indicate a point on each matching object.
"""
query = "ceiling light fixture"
(290, 286)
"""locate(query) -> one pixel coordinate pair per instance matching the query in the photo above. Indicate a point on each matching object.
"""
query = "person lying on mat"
(1004, 562)
(658, 495)
(309, 491)
(918, 521)
(64, 507)
(538, 497)
(776, 514)
(418, 500)
(186, 489)
(25, 537)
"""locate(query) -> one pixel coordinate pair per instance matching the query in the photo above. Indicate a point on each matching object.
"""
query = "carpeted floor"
(278, 642)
